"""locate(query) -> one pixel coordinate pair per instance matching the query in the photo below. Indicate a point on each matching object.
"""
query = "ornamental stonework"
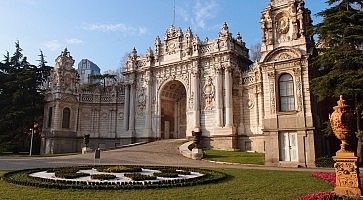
(209, 94)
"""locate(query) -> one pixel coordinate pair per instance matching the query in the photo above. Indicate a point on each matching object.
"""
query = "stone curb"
(229, 163)
(126, 145)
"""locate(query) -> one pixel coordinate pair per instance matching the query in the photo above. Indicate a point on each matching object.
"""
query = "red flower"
(317, 196)
(326, 176)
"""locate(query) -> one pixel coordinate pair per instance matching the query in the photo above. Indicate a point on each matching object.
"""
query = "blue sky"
(105, 30)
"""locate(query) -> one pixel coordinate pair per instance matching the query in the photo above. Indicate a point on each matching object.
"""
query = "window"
(50, 113)
(66, 117)
(286, 92)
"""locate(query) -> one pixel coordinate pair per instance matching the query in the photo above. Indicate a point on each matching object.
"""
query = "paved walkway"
(164, 152)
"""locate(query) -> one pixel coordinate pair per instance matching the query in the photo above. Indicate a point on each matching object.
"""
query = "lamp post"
(31, 142)
(35, 125)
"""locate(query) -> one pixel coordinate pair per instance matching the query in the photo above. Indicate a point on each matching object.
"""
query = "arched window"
(286, 93)
(66, 117)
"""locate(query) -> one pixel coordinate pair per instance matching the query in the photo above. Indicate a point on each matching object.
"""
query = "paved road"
(164, 152)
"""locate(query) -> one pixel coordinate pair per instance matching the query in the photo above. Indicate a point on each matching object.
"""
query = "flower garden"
(113, 177)
(328, 177)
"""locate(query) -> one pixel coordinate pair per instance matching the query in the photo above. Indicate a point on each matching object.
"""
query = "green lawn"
(242, 184)
(235, 157)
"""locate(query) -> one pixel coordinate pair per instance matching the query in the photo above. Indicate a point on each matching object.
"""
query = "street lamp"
(31, 141)
(35, 125)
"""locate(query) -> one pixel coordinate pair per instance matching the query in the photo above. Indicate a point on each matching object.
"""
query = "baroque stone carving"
(191, 101)
(341, 121)
(346, 170)
(271, 76)
(250, 104)
(141, 101)
(209, 94)
(297, 73)
(283, 25)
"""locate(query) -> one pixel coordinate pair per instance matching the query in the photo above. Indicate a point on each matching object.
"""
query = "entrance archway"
(173, 110)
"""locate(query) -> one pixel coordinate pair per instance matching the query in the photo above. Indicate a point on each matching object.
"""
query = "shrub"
(139, 177)
(167, 175)
(173, 170)
(67, 175)
(119, 169)
(103, 176)
(325, 161)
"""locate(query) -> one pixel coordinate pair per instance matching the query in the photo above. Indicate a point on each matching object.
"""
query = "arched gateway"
(173, 117)
(184, 84)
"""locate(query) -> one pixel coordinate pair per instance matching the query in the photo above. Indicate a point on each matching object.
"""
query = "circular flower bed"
(113, 177)
(103, 176)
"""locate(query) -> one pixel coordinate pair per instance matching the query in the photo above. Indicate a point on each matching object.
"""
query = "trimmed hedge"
(119, 169)
(175, 171)
(139, 177)
(325, 161)
(103, 176)
(21, 177)
(166, 175)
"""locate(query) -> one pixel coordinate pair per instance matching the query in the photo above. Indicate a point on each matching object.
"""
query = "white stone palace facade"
(184, 84)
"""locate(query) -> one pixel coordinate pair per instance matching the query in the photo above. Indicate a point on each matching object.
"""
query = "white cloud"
(56, 45)
(120, 27)
(183, 13)
(74, 41)
(199, 13)
(202, 12)
(53, 45)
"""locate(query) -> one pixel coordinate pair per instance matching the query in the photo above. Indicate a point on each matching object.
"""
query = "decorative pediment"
(69, 99)
(173, 33)
(282, 54)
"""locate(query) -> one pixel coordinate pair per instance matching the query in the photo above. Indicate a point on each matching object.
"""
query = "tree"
(21, 97)
(338, 67)
(255, 52)
(104, 78)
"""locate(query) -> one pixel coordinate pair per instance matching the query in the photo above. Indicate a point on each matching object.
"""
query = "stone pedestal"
(86, 150)
(197, 154)
(347, 174)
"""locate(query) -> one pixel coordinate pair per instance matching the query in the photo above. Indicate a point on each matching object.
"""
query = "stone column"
(132, 108)
(228, 96)
(57, 120)
(126, 108)
(219, 97)
(196, 83)
(148, 129)
(260, 107)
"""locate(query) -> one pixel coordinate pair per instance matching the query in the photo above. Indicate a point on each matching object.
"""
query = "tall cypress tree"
(338, 66)
(21, 98)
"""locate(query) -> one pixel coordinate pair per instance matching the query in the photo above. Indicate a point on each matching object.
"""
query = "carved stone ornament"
(209, 93)
(346, 170)
(341, 121)
(141, 102)
(283, 25)
(250, 104)
(191, 101)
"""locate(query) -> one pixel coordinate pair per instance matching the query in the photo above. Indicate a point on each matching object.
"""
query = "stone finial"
(134, 53)
(239, 38)
(65, 52)
(157, 41)
(189, 33)
(341, 121)
(224, 30)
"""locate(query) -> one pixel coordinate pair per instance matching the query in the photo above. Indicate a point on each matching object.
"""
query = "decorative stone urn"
(346, 169)
(341, 121)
